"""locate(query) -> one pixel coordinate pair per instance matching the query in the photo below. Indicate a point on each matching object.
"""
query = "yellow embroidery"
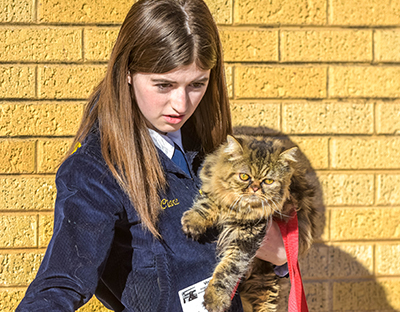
(77, 145)
(201, 192)
(165, 203)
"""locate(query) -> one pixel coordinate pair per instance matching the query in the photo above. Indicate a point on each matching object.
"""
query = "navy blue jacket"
(100, 247)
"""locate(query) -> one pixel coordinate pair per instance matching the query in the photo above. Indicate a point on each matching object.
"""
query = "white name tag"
(192, 297)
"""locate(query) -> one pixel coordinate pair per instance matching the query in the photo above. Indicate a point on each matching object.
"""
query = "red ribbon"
(290, 235)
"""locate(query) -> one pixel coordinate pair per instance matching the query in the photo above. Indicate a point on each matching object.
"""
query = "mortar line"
(375, 186)
(279, 46)
(36, 155)
(36, 82)
(329, 154)
(37, 230)
(327, 12)
(373, 46)
(374, 264)
(233, 13)
(35, 11)
(83, 44)
(327, 82)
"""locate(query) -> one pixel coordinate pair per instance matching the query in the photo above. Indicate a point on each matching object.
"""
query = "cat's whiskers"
(224, 199)
(279, 212)
(235, 203)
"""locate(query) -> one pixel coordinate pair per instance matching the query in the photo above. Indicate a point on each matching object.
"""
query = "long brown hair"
(157, 36)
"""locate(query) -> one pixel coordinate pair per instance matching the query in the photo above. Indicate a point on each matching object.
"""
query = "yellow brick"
(17, 81)
(16, 11)
(351, 260)
(366, 295)
(19, 269)
(250, 45)
(387, 259)
(45, 229)
(44, 118)
(51, 153)
(99, 43)
(326, 45)
(106, 12)
(256, 118)
(83, 12)
(364, 12)
(387, 45)
(18, 231)
(221, 10)
(9, 299)
(315, 149)
(317, 296)
(40, 44)
(388, 118)
(293, 12)
(364, 82)
(94, 305)
(17, 156)
(27, 193)
(365, 153)
(280, 82)
(365, 223)
(328, 118)
(68, 82)
(347, 189)
(392, 291)
(315, 263)
(388, 189)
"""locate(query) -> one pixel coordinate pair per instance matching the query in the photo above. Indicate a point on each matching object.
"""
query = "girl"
(121, 191)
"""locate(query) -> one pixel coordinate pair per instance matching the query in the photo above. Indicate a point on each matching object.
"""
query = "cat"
(245, 183)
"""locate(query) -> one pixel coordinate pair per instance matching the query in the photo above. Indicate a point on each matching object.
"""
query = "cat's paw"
(192, 224)
(216, 299)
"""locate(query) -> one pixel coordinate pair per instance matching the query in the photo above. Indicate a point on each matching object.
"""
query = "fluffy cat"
(246, 183)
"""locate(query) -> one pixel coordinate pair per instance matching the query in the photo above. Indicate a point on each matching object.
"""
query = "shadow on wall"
(334, 279)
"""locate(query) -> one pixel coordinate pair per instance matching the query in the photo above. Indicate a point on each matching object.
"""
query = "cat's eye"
(244, 176)
(268, 181)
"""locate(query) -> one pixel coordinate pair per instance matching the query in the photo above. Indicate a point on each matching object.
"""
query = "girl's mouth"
(174, 119)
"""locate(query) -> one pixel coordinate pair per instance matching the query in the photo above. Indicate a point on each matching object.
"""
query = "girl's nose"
(180, 100)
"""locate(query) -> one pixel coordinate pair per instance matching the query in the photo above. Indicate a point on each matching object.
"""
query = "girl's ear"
(233, 148)
(129, 78)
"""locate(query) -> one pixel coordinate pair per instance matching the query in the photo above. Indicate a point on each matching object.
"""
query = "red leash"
(290, 235)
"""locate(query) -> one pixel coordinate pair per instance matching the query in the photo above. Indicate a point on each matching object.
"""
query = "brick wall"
(324, 72)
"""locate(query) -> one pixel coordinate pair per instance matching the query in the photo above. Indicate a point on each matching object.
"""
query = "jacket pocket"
(145, 281)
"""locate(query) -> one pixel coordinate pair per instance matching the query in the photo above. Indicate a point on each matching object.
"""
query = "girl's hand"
(272, 248)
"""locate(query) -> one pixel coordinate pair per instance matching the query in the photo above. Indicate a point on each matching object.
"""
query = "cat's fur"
(246, 183)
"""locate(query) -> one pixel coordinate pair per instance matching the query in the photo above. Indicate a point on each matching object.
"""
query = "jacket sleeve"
(86, 211)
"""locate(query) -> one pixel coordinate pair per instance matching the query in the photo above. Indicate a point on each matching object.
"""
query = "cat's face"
(253, 174)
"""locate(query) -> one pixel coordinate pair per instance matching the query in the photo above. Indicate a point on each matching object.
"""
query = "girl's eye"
(198, 85)
(244, 176)
(163, 86)
(268, 181)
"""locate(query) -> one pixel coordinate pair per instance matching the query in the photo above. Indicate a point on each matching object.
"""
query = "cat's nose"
(255, 188)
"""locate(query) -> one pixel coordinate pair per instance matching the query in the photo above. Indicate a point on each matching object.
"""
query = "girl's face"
(168, 100)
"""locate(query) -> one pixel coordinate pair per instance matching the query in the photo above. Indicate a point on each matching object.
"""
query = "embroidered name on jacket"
(166, 203)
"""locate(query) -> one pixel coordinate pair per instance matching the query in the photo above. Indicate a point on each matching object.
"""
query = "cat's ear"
(289, 155)
(233, 148)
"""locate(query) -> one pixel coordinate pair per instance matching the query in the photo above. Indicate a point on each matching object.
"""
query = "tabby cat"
(246, 183)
